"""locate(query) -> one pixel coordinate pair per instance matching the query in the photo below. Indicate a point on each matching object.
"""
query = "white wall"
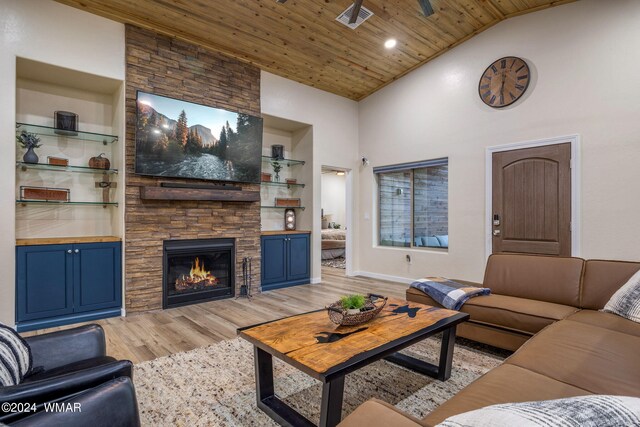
(48, 32)
(584, 60)
(334, 196)
(335, 138)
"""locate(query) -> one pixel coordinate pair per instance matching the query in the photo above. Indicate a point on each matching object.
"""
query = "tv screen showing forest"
(185, 140)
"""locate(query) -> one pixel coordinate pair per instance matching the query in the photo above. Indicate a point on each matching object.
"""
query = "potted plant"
(277, 167)
(353, 303)
(29, 141)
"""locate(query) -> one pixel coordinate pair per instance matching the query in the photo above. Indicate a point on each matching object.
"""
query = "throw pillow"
(581, 411)
(626, 301)
(15, 357)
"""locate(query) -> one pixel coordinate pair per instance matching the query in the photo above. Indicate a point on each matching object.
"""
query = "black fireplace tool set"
(247, 278)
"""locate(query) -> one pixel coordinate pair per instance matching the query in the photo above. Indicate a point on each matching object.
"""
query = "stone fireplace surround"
(161, 65)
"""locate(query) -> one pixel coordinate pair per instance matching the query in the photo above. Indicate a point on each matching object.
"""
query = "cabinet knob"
(69, 251)
(77, 251)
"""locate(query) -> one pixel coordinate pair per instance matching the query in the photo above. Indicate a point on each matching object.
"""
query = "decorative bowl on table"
(343, 317)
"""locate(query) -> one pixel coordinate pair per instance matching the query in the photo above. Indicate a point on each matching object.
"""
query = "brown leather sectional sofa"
(547, 309)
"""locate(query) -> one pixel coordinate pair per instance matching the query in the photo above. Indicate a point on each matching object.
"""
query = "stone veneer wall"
(164, 66)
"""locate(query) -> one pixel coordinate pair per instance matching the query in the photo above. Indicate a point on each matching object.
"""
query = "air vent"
(346, 15)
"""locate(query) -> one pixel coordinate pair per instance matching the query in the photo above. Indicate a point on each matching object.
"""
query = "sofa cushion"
(504, 384)
(520, 314)
(602, 279)
(595, 410)
(626, 301)
(377, 412)
(541, 278)
(606, 320)
(589, 357)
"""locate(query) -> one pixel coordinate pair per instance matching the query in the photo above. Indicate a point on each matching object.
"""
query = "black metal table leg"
(442, 371)
(446, 353)
(282, 413)
(331, 407)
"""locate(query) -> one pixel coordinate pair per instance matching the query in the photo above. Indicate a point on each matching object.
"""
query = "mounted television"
(181, 139)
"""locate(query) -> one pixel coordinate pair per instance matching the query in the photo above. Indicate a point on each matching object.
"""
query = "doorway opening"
(335, 212)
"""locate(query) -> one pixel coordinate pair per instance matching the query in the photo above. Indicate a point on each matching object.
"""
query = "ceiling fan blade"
(281, 1)
(426, 7)
(355, 12)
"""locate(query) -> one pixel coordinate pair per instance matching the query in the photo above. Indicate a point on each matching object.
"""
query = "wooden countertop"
(66, 240)
(278, 232)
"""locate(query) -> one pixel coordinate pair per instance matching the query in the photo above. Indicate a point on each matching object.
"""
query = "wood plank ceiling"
(302, 41)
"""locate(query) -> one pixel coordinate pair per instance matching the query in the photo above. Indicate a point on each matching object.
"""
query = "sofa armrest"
(111, 404)
(62, 386)
(374, 412)
(64, 347)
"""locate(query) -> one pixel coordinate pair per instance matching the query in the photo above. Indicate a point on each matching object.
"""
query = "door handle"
(496, 233)
(69, 251)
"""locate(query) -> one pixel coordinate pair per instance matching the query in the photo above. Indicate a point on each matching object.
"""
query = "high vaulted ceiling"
(301, 39)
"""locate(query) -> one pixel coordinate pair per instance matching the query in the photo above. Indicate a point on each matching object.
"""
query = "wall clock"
(504, 82)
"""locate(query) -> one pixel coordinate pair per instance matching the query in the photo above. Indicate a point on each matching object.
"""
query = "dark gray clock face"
(504, 82)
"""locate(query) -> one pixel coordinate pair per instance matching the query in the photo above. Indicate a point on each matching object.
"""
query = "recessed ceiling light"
(390, 44)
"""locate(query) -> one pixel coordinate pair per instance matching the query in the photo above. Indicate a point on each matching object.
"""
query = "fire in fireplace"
(198, 278)
(197, 271)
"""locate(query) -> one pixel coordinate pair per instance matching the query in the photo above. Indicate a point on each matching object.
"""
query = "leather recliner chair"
(112, 404)
(66, 363)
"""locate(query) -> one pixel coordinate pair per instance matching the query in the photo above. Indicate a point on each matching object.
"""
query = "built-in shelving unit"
(53, 202)
(51, 131)
(282, 207)
(296, 141)
(288, 162)
(76, 169)
(282, 184)
(41, 90)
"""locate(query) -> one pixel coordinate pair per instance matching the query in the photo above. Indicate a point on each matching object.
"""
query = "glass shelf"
(281, 184)
(282, 207)
(53, 202)
(78, 169)
(288, 162)
(49, 131)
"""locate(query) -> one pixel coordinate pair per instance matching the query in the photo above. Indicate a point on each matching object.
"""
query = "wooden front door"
(532, 200)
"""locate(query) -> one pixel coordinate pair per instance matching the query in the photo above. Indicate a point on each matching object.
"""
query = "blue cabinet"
(285, 260)
(62, 284)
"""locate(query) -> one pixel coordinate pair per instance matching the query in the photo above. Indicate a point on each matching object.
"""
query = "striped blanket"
(449, 294)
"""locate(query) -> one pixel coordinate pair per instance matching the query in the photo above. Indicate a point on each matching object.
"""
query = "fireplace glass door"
(198, 272)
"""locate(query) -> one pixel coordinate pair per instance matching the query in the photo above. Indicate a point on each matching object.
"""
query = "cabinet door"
(298, 257)
(97, 279)
(274, 259)
(44, 281)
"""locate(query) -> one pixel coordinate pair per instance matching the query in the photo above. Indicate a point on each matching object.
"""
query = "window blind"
(411, 165)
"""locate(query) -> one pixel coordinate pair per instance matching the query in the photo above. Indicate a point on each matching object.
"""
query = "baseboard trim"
(316, 280)
(68, 319)
(372, 275)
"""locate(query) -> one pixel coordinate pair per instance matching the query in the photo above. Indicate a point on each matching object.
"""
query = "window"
(414, 204)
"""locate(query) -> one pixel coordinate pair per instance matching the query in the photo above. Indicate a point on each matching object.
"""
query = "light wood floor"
(160, 333)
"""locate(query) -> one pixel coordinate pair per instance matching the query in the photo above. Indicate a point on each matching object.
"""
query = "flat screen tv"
(181, 139)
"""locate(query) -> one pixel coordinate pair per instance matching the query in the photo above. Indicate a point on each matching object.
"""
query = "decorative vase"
(30, 156)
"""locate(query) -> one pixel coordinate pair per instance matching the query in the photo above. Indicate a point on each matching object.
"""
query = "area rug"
(339, 262)
(214, 386)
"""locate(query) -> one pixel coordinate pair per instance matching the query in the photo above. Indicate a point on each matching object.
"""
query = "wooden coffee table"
(327, 352)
